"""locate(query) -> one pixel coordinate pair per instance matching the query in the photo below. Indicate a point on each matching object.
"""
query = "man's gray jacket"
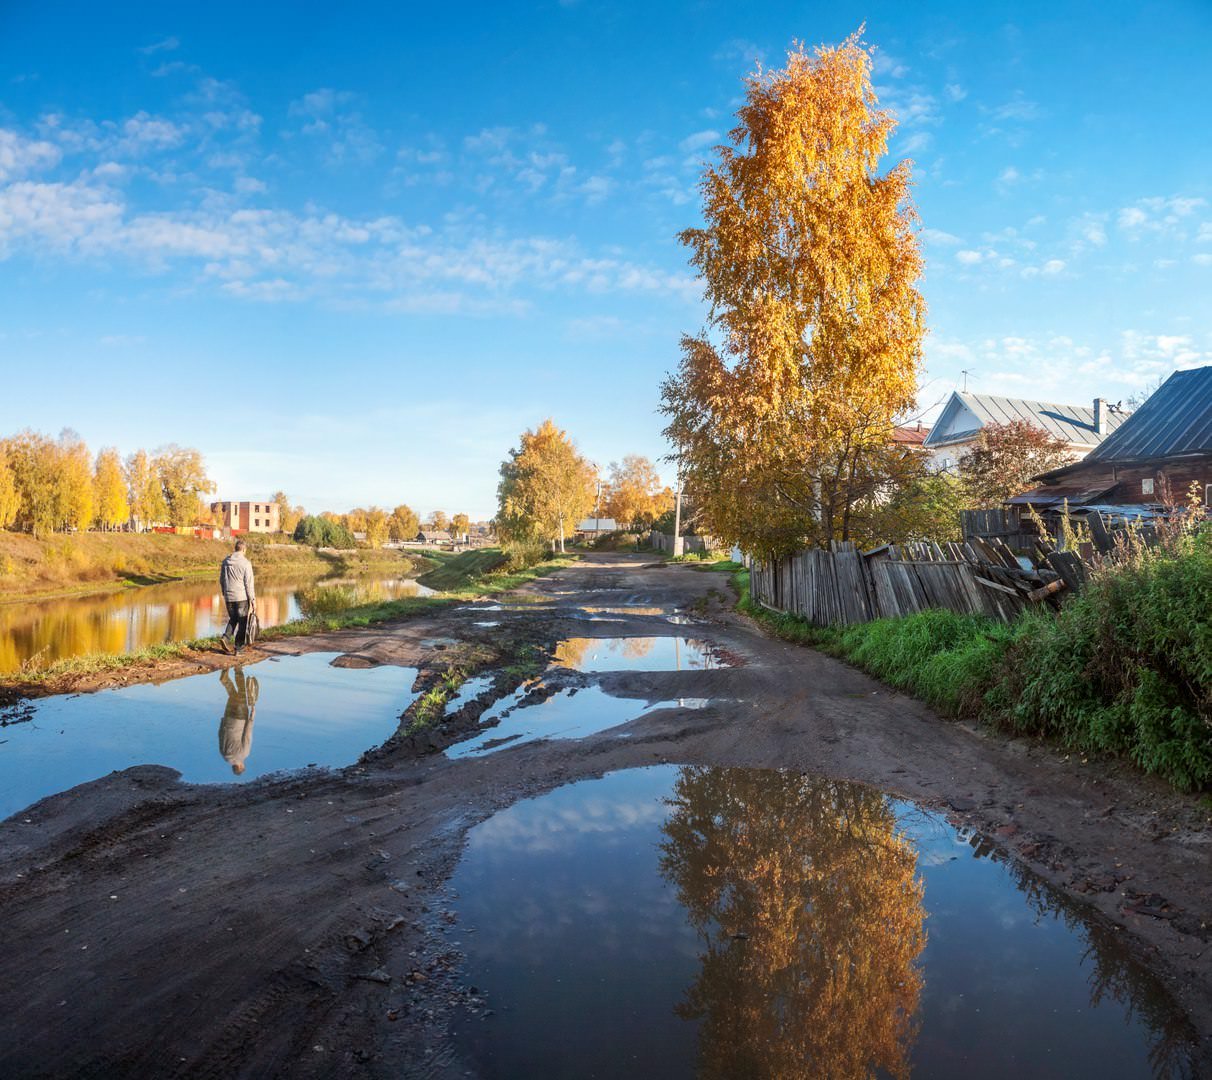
(236, 578)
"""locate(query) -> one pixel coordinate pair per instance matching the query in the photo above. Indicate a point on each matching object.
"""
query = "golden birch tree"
(376, 526)
(459, 524)
(809, 261)
(633, 493)
(75, 481)
(109, 490)
(10, 499)
(144, 493)
(546, 488)
(403, 523)
(183, 480)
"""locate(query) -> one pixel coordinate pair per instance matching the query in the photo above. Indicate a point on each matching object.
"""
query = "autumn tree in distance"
(546, 488)
(809, 262)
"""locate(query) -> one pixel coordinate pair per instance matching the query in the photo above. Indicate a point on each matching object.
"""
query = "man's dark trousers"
(237, 620)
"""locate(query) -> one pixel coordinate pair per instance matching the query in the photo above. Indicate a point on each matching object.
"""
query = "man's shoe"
(225, 641)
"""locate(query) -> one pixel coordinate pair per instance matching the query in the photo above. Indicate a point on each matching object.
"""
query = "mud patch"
(726, 921)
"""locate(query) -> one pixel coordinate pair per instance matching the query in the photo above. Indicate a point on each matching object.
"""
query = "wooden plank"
(1044, 591)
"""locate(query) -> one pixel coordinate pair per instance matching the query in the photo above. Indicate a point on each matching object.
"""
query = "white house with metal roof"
(966, 415)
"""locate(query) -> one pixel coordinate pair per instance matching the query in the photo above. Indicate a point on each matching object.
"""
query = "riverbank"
(465, 580)
(43, 568)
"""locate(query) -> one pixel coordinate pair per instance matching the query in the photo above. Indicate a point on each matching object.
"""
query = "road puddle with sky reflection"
(729, 922)
(636, 654)
(237, 724)
(570, 713)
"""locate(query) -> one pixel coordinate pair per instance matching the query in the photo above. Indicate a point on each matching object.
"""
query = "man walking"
(236, 584)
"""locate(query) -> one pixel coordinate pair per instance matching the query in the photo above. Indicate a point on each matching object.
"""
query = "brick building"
(260, 517)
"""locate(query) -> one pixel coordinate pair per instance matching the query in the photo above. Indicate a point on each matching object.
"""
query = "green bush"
(320, 532)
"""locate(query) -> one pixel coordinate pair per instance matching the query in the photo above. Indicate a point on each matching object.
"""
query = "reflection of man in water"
(235, 729)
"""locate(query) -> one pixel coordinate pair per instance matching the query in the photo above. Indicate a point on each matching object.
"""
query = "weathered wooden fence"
(981, 576)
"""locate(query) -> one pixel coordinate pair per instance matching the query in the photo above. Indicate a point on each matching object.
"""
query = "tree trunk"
(561, 534)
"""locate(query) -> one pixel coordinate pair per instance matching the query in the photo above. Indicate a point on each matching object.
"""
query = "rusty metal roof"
(1175, 421)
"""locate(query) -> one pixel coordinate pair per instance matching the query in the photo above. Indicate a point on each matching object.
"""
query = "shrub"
(320, 532)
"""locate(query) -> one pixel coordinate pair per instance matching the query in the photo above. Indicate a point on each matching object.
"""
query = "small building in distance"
(1148, 465)
(434, 536)
(591, 528)
(958, 428)
(238, 517)
(910, 436)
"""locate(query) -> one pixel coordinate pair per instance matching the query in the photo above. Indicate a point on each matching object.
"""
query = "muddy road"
(299, 925)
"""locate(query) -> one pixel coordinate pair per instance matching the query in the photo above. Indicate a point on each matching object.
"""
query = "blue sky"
(353, 253)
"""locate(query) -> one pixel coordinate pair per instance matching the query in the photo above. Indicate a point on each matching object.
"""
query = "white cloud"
(168, 44)
(1053, 266)
(969, 257)
(955, 92)
(1132, 217)
(20, 156)
(918, 141)
(938, 236)
(1017, 108)
(698, 140)
(1202, 259)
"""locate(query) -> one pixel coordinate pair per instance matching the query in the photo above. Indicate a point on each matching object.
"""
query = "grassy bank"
(1124, 669)
(58, 676)
(457, 571)
(31, 567)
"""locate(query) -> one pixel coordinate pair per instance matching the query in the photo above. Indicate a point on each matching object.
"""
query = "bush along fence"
(982, 576)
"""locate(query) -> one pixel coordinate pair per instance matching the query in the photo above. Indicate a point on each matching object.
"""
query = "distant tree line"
(376, 525)
(55, 485)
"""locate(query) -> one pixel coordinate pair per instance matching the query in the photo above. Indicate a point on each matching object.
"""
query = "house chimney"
(1100, 416)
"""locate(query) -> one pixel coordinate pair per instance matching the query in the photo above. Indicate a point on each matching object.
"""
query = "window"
(1146, 487)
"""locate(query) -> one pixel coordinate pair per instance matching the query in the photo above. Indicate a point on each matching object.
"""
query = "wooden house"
(958, 428)
(1148, 464)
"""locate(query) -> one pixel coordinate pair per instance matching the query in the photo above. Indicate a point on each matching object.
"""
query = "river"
(44, 631)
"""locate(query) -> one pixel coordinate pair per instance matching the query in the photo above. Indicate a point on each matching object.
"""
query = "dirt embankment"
(295, 925)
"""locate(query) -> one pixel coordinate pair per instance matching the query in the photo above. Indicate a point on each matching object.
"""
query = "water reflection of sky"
(304, 712)
(635, 654)
(566, 714)
(585, 949)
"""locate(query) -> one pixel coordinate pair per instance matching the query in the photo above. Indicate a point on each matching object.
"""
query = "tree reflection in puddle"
(736, 922)
(806, 897)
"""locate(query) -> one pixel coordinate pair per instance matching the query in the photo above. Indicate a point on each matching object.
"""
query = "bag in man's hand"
(253, 629)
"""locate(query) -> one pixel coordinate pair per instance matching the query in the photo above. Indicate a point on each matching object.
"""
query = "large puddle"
(682, 922)
(241, 723)
(636, 654)
(121, 622)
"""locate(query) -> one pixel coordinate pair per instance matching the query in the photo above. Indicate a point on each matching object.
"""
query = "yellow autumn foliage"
(783, 405)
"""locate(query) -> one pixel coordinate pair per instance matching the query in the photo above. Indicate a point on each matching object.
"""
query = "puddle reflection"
(306, 712)
(636, 654)
(741, 922)
(236, 726)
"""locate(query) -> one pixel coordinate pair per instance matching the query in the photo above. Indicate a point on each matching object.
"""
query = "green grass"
(1124, 669)
(459, 571)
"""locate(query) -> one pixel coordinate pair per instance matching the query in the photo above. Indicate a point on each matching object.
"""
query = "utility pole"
(677, 518)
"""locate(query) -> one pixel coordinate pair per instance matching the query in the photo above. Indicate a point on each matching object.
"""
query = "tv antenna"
(965, 373)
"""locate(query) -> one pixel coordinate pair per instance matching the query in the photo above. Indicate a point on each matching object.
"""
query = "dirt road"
(153, 928)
